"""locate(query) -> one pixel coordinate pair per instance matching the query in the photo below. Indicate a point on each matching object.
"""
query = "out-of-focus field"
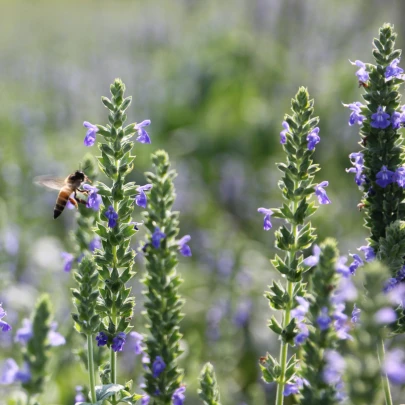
(215, 78)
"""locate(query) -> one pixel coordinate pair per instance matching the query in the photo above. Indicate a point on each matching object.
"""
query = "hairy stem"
(384, 378)
(91, 368)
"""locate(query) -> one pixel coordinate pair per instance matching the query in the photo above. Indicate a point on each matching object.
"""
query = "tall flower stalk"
(163, 304)
(209, 391)
(299, 137)
(115, 258)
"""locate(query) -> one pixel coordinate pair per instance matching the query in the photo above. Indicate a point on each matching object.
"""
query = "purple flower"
(356, 117)
(90, 137)
(283, 136)
(112, 216)
(341, 267)
(321, 193)
(314, 259)
(157, 236)
(295, 387)
(68, 260)
(392, 70)
(145, 361)
(267, 214)
(313, 138)
(380, 119)
(394, 366)
(357, 161)
(79, 397)
(138, 349)
(143, 136)
(384, 177)
(345, 291)
(24, 334)
(101, 339)
(242, 313)
(362, 73)
(118, 342)
(390, 284)
(385, 316)
(324, 320)
(340, 324)
(184, 249)
(334, 367)
(178, 396)
(11, 373)
(93, 199)
(401, 274)
(145, 400)
(140, 199)
(95, 244)
(396, 120)
(356, 314)
(368, 251)
(399, 177)
(356, 263)
(158, 366)
(301, 309)
(4, 326)
(55, 338)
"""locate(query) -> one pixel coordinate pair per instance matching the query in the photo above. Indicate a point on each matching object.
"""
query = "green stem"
(384, 378)
(91, 368)
(287, 318)
(28, 399)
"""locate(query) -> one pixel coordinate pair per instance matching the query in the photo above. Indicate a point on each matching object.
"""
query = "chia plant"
(163, 377)
(299, 138)
(209, 391)
(115, 257)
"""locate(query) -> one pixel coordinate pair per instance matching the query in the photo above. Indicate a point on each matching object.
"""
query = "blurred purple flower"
(157, 236)
(355, 264)
(267, 214)
(145, 361)
(362, 74)
(394, 366)
(301, 310)
(112, 216)
(392, 70)
(357, 161)
(314, 259)
(341, 267)
(324, 320)
(24, 334)
(90, 137)
(101, 339)
(302, 335)
(334, 367)
(11, 373)
(158, 366)
(12, 240)
(380, 119)
(313, 138)
(55, 338)
(143, 136)
(178, 396)
(118, 342)
(399, 177)
(184, 249)
(93, 199)
(345, 291)
(141, 199)
(95, 244)
(356, 117)
(145, 400)
(368, 251)
(79, 397)
(385, 316)
(283, 136)
(68, 261)
(340, 324)
(242, 312)
(138, 349)
(390, 284)
(321, 193)
(294, 388)
(384, 177)
(356, 314)
(4, 326)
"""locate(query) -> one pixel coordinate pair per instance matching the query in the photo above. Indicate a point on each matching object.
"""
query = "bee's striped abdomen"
(61, 201)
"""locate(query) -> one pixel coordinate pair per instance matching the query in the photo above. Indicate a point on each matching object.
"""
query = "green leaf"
(106, 391)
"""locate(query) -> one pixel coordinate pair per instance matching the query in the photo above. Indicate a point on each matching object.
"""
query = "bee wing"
(53, 182)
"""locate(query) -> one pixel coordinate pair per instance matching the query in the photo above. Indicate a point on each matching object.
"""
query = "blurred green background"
(215, 78)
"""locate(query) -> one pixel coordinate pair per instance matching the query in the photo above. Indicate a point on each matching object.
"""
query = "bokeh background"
(215, 78)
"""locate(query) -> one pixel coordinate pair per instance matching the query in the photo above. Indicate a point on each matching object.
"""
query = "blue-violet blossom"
(158, 366)
(112, 216)
(93, 199)
(118, 342)
(90, 137)
(399, 177)
(283, 136)
(313, 138)
(101, 339)
(178, 396)
(392, 70)
(143, 136)
(314, 259)
(140, 199)
(184, 249)
(68, 260)
(138, 349)
(11, 373)
(157, 236)
(362, 73)
(321, 193)
(380, 119)
(4, 326)
(356, 117)
(267, 214)
(384, 177)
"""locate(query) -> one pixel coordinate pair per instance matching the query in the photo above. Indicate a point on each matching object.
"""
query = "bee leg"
(79, 200)
(83, 191)
(74, 202)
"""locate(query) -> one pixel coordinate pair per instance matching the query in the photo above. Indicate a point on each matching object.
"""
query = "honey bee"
(68, 189)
